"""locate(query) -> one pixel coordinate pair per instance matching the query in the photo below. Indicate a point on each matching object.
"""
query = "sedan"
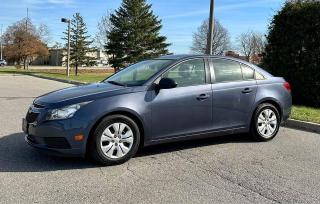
(171, 98)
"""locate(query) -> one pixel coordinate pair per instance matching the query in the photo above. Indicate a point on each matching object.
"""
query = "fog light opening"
(79, 138)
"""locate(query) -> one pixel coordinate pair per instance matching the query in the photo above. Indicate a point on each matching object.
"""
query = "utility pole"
(25, 61)
(211, 29)
(1, 43)
(64, 20)
(27, 19)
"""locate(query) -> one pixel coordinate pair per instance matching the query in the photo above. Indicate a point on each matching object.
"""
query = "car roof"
(187, 56)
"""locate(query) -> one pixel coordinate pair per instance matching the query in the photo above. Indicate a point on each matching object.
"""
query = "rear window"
(227, 70)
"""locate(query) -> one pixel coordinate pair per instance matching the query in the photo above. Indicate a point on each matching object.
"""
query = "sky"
(180, 18)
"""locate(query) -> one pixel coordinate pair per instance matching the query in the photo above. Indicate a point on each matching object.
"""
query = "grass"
(82, 77)
(306, 114)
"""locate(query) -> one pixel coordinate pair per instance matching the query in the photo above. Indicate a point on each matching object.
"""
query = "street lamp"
(211, 29)
(65, 20)
(1, 44)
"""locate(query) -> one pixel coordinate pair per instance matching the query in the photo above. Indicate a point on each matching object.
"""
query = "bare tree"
(251, 44)
(43, 32)
(22, 42)
(221, 39)
(103, 26)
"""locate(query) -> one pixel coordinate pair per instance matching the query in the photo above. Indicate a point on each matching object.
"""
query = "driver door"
(186, 109)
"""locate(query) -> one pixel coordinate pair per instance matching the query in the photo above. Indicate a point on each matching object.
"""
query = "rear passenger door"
(234, 89)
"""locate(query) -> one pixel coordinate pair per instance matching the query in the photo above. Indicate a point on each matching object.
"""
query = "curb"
(59, 80)
(301, 125)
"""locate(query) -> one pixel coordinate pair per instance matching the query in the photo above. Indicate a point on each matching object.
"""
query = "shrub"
(293, 50)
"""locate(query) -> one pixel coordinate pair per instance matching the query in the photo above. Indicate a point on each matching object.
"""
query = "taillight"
(287, 86)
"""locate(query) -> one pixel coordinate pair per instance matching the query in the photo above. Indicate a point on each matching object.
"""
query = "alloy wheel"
(116, 140)
(267, 123)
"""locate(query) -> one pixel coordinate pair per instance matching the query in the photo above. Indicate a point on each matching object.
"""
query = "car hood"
(78, 94)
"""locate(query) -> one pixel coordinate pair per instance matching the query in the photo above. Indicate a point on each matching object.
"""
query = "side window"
(226, 70)
(247, 72)
(259, 76)
(189, 73)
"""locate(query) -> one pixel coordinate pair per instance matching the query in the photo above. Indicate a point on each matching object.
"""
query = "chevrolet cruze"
(170, 98)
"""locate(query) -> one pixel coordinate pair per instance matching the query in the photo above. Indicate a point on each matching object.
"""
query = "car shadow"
(17, 156)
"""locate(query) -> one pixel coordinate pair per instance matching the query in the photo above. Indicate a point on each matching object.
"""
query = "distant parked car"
(170, 98)
(3, 62)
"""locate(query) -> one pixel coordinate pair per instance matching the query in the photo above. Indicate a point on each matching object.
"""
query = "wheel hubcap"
(267, 123)
(116, 140)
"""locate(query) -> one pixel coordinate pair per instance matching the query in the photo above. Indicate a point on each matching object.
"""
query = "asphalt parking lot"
(230, 169)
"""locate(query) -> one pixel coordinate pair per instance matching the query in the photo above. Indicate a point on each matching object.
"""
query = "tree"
(293, 50)
(79, 43)
(221, 39)
(23, 41)
(251, 44)
(104, 26)
(134, 34)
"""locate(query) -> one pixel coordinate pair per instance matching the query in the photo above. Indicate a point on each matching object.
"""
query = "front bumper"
(57, 137)
(53, 151)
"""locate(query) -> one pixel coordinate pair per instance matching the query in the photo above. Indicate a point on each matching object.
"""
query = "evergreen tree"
(134, 34)
(79, 43)
(293, 49)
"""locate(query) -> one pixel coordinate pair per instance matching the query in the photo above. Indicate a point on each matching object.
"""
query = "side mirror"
(167, 83)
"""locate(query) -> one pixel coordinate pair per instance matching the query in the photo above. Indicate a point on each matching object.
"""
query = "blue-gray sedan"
(170, 98)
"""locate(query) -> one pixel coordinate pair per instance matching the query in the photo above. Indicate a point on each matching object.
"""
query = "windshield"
(138, 74)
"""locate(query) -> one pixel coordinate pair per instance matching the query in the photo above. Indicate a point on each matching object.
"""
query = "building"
(57, 57)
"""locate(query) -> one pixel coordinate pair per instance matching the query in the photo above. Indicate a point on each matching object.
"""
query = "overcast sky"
(180, 17)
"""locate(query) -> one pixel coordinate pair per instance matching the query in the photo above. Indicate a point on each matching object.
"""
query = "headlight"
(64, 112)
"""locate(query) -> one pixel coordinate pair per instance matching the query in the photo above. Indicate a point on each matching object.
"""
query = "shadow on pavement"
(17, 156)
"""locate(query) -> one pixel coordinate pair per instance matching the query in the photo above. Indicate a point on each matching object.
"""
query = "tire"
(263, 127)
(107, 144)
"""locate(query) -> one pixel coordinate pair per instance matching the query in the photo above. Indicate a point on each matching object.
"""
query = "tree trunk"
(77, 69)
(24, 63)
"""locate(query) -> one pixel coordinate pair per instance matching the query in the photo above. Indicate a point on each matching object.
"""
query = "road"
(231, 169)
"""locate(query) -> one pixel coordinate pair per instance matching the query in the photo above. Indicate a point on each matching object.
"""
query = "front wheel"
(115, 140)
(266, 122)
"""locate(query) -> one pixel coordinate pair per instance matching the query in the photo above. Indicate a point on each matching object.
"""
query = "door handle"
(246, 90)
(203, 97)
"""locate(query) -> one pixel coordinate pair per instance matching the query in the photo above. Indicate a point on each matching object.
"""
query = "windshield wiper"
(116, 83)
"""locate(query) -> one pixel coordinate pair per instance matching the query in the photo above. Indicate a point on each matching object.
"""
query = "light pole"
(211, 29)
(1, 43)
(65, 20)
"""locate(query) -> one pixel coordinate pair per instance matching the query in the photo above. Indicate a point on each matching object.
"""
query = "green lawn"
(306, 114)
(83, 77)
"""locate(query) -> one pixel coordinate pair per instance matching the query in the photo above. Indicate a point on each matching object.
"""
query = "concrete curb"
(301, 125)
(59, 80)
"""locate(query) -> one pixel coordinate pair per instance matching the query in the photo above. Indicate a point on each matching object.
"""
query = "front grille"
(31, 117)
(38, 105)
(57, 142)
(50, 142)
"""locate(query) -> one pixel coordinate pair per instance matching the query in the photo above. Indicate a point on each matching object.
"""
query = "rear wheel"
(266, 122)
(115, 140)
